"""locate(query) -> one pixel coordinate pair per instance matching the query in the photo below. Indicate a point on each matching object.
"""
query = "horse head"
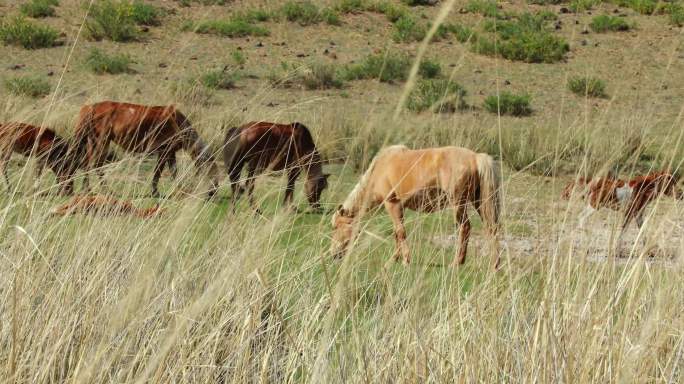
(343, 231)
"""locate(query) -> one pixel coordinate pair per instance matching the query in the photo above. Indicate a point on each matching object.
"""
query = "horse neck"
(314, 166)
(358, 199)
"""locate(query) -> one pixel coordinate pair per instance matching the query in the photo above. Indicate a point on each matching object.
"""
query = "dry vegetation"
(205, 294)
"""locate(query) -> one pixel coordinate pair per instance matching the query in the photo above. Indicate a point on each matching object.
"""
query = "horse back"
(266, 142)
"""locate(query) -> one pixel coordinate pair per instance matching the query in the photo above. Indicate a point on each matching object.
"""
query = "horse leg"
(396, 213)
(492, 229)
(292, 175)
(249, 185)
(463, 222)
(158, 168)
(3, 164)
(234, 177)
(173, 167)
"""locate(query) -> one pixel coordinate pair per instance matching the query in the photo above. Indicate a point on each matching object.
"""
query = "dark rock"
(584, 42)
(326, 51)
(300, 55)
(145, 29)
(596, 44)
(193, 58)
(616, 10)
(478, 71)
(332, 43)
(506, 82)
(259, 44)
(51, 73)
(585, 31)
(163, 65)
(564, 10)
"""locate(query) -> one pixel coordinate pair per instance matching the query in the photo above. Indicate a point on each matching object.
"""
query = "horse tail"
(489, 196)
(231, 152)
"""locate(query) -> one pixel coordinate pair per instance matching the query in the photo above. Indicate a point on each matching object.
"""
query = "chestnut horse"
(157, 130)
(49, 148)
(103, 205)
(424, 180)
(269, 146)
(632, 196)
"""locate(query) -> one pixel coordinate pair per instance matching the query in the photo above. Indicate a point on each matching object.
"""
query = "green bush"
(523, 39)
(322, 76)
(437, 95)
(583, 5)
(21, 32)
(112, 20)
(675, 12)
(100, 62)
(430, 69)
(392, 12)
(230, 28)
(604, 23)
(307, 13)
(238, 57)
(487, 8)
(462, 33)
(587, 86)
(28, 86)
(645, 7)
(509, 104)
(386, 68)
(408, 29)
(39, 8)
(352, 6)
(145, 14)
(219, 79)
(254, 15)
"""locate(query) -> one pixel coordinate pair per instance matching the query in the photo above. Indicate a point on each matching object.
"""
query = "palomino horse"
(50, 149)
(270, 146)
(103, 205)
(159, 130)
(423, 180)
(632, 196)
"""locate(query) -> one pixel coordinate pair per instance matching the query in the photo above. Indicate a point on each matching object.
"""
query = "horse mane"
(355, 199)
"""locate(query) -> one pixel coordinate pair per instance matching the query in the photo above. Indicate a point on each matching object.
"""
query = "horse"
(633, 196)
(269, 146)
(103, 205)
(423, 180)
(578, 185)
(157, 130)
(50, 149)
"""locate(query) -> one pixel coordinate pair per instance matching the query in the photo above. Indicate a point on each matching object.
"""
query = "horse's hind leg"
(292, 175)
(173, 167)
(4, 159)
(461, 214)
(158, 168)
(249, 186)
(396, 213)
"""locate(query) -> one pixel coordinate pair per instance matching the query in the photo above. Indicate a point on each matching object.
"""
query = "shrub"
(604, 23)
(463, 34)
(645, 7)
(675, 12)
(352, 6)
(39, 8)
(230, 28)
(438, 95)
(254, 15)
(487, 8)
(307, 13)
(587, 86)
(322, 76)
(509, 104)
(238, 57)
(524, 39)
(430, 69)
(219, 79)
(99, 62)
(408, 29)
(145, 14)
(583, 5)
(28, 86)
(21, 32)
(391, 11)
(111, 20)
(386, 68)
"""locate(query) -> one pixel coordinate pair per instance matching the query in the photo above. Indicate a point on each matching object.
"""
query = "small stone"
(145, 29)
(564, 10)
(163, 65)
(300, 55)
(259, 44)
(584, 42)
(506, 82)
(51, 73)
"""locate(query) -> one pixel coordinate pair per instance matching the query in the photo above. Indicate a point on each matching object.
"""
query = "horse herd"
(424, 180)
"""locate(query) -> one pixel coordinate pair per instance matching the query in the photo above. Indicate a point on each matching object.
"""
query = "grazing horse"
(424, 180)
(574, 186)
(158, 130)
(632, 196)
(50, 149)
(103, 205)
(270, 146)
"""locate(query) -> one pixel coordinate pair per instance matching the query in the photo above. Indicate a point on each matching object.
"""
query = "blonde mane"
(355, 200)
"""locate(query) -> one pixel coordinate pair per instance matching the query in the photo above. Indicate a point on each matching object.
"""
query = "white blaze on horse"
(424, 180)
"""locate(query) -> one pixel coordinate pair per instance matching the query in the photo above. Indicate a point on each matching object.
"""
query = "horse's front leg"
(158, 168)
(396, 212)
(3, 164)
(292, 175)
(249, 186)
(463, 223)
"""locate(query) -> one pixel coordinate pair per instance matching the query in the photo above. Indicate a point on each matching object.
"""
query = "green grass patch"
(39, 8)
(525, 38)
(254, 15)
(113, 20)
(605, 23)
(578, 6)
(437, 95)
(229, 28)
(308, 13)
(219, 79)
(30, 86)
(145, 14)
(509, 104)
(21, 32)
(675, 12)
(407, 29)
(308, 76)
(352, 6)
(486, 8)
(386, 68)
(101, 63)
(462, 33)
(430, 69)
(238, 57)
(587, 86)
(392, 11)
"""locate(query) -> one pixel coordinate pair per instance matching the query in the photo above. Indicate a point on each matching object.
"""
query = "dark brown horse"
(157, 130)
(49, 148)
(276, 147)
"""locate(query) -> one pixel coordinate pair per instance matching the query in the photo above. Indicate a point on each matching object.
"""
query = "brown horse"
(157, 130)
(103, 205)
(424, 180)
(632, 196)
(49, 148)
(270, 146)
